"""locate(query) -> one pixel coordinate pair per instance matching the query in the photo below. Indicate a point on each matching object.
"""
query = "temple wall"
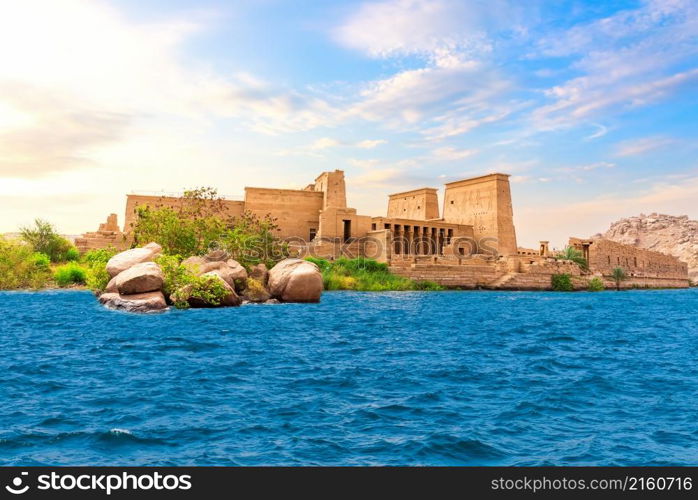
(419, 204)
(233, 208)
(484, 203)
(296, 212)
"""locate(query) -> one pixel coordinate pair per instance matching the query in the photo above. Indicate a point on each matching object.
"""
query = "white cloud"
(455, 82)
(601, 130)
(449, 153)
(438, 30)
(370, 144)
(630, 59)
(634, 147)
(367, 163)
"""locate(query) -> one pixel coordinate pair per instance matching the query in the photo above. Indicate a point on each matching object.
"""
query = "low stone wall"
(102, 239)
(510, 274)
(647, 283)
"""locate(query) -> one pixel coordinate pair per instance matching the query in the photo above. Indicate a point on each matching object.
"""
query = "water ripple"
(500, 378)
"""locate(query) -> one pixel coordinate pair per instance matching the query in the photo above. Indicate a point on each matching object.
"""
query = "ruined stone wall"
(296, 212)
(484, 203)
(418, 204)
(605, 255)
(107, 236)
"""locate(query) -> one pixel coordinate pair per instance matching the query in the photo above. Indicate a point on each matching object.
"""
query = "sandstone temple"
(468, 243)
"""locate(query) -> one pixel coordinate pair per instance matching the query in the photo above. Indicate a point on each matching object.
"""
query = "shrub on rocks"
(561, 282)
(255, 291)
(596, 285)
(203, 291)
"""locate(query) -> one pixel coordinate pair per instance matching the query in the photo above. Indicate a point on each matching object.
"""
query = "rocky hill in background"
(670, 234)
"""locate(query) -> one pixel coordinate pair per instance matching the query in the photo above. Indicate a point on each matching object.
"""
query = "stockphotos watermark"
(99, 483)
(463, 247)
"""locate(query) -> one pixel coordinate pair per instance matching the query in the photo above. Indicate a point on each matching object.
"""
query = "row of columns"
(419, 240)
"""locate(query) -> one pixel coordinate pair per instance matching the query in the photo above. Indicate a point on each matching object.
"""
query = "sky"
(591, 107)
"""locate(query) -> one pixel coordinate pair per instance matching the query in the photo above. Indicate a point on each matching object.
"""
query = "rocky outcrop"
(124, 260)
(673, 235)
(138, 282)
(295, 280)
(141, 302)
(141, 278)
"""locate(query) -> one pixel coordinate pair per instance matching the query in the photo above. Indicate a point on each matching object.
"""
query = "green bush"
(562, 282)
(201, 222)
(21, 267)
(596, 285)
(98, 256)
(69, 274)
(41, 260)
(427, 286)
(97, 278)
(365, 275)
(207, 289)
(175, 275)
(191, 228)
(42, 236)
(252, 240)
(71, 255)
(95, 262)
(323, 264)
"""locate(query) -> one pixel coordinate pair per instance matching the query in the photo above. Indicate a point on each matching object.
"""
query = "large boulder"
(111, 286)
(236, 269)
(122, 261)
(141, 278)
(255, 291)
(295, 280)
(142, 302)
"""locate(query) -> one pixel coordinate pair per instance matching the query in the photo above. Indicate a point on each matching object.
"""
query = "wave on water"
(448, 378)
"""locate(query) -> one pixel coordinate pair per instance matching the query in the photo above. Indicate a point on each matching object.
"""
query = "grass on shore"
(365, 275)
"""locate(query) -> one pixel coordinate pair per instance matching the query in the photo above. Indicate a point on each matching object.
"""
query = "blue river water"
(405, 378)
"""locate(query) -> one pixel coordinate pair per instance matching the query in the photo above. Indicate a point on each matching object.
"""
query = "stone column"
(408, 240)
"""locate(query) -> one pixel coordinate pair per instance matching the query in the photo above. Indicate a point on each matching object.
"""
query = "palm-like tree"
(618, 275)
(575, 255)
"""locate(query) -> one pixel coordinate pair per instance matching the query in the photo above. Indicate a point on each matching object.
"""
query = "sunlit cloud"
(634, 147)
